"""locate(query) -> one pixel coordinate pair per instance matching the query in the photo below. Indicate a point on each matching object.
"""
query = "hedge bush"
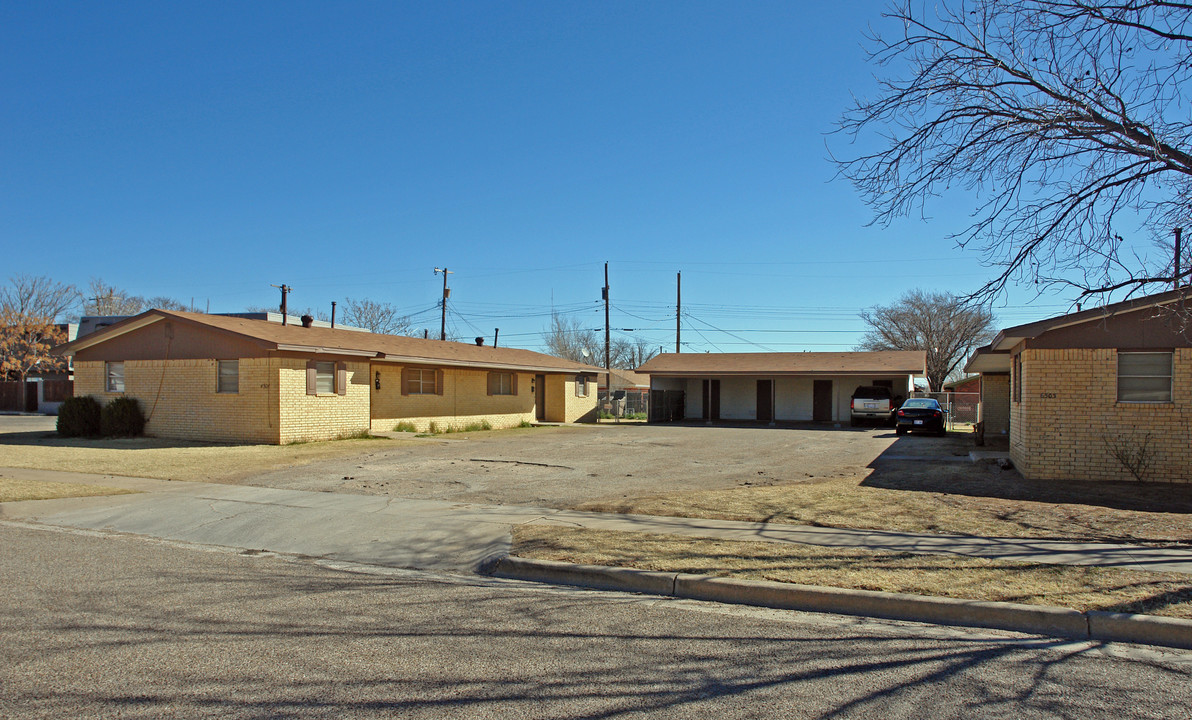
(79, 417)
(122, 417)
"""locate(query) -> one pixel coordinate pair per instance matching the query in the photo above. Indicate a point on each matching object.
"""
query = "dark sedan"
(920, 414)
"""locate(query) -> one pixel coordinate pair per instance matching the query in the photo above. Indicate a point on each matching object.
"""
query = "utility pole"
(678, 311)
(446, 294)
(607, 362)
(285, 289)
(1175, 283)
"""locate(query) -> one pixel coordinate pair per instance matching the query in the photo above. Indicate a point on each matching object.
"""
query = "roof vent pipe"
(480, 341)
(307, 321)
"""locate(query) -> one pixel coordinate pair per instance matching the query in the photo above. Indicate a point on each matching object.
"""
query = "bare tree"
(568, 338)
(376, 317)
(936, 322)
(628, 354)
(1069, 120)
(29, 309)
(103, 299)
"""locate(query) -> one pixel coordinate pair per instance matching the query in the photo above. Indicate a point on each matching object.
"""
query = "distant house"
(213, 377)
(1088, 394)
(772, 387)
(633, 387)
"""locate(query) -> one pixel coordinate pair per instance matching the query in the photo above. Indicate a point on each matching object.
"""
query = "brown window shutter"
(492, 378)
(405, 381)
(341, 379)
(513, 384)
(312, 378)
(438, 382)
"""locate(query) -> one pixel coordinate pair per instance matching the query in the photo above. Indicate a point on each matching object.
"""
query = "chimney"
(480, 341)
(307, 321)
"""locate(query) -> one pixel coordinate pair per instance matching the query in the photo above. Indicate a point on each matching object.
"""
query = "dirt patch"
(14, 490)
(170, 459)
(943, 497)
(1081, 588)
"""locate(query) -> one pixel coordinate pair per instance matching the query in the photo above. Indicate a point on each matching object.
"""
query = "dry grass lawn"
(947, 498)
(1082, 588)
(13, 490)
(172, 459)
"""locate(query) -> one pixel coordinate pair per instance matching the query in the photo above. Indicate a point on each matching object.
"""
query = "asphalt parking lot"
(563, 466)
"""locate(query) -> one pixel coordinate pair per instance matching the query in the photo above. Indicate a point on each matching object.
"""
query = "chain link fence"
(963, 408)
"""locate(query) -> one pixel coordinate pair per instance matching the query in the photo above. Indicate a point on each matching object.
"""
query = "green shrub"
(79, 417)
(122, 417)
(525, 424)
(405, 426)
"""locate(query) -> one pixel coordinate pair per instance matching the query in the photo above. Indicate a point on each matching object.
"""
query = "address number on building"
(1047, 396)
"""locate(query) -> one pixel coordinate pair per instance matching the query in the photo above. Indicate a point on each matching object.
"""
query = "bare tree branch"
(1067, 120)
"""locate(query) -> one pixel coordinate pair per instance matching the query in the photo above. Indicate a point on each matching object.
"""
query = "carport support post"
(678, 309)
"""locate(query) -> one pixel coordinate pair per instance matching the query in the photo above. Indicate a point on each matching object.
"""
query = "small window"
(581, 386)
(500, 383)
(420, 382)
(229, 377)
(324, 377)
(1144, 377)
(1017, 377)
(115, 375)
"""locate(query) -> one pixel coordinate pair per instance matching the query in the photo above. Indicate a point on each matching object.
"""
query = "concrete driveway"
(561, 467)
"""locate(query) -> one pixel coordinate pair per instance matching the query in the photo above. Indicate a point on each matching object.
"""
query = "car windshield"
(876, 393)
(922, 403)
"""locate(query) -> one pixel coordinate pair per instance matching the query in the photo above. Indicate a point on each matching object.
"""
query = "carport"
(772, 387)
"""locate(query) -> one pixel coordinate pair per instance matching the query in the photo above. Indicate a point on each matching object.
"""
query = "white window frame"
(1170, 375)
(421, 378)
(114, 376)
(324, 377)
(227, 377)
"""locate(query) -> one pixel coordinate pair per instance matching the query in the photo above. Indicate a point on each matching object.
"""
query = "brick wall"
(188, 406)
(1069, 418)
(321, 417)
(465, 401)
(562, 405)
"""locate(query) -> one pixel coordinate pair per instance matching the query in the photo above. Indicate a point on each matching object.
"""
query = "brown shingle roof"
(810, 363)
(295, 338)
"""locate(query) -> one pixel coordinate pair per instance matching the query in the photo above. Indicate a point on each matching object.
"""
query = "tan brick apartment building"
(212, 377)
(773, 387)
(1083, 391)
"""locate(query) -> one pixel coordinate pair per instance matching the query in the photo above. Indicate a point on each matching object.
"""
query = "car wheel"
(853, 422)
(899, 431)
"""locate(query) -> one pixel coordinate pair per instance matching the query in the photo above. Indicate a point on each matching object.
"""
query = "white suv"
(872, 403)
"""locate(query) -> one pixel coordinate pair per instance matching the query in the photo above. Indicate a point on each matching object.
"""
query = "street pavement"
(445, 535)
(96, 624)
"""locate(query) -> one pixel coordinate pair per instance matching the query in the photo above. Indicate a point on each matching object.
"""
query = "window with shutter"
(324, 378)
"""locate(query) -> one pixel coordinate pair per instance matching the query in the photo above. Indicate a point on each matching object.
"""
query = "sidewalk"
(443, 535)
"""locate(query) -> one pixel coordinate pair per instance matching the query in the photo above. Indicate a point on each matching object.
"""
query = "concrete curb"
(1036, 619)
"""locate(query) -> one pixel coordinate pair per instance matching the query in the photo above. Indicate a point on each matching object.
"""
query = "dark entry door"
(765, 401)
(540, 397)
(821, 402)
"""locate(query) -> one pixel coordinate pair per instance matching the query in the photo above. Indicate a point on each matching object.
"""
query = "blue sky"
(208, 150)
